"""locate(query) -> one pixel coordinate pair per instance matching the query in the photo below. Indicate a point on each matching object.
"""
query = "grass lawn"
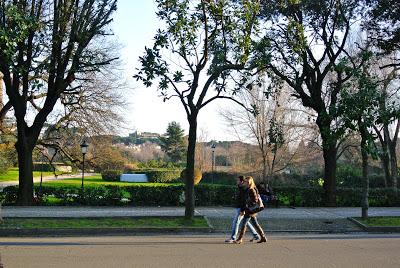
(96, 180)
(118, 222)
(381, 221)
(12, 174)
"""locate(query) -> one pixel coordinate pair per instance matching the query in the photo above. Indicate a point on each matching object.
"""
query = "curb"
(376, 229)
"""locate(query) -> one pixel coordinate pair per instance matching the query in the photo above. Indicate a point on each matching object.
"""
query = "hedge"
(205, 194)
(160, 175)
(111, 174)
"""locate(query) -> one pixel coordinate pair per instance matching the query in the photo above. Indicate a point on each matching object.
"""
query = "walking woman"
(251, 199)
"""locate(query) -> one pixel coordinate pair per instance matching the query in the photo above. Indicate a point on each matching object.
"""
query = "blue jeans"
(236, 224)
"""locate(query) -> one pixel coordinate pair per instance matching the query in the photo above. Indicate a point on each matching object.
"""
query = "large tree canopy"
(197, 57)
(46, 48)
(308, 41)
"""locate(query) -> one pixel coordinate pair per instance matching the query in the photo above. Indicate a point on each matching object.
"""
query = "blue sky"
(134, 26)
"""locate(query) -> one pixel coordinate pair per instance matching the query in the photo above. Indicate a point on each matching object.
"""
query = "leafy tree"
(210, 43)
(46, 49)
(360, 102)
(383, 24)
(173, 144)
(307, 40)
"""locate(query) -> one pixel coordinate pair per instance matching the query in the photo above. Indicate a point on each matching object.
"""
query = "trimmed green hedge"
(159, 175)
(220, 177)
(205, 194)
(111, 174)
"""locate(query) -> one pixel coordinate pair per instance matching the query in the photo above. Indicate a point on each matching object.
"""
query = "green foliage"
(10, 195)
(173, 143)
(381, 221)
(158, 163)
(103, 222)
(159, 175)
(220, 177)
(165, 195)
(383, 24)
(16, 30)
(275, 134)
(206, 195)
(7, 153)
(111, 174)
(3, 165)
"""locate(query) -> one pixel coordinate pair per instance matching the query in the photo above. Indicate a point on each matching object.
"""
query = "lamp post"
(212, 162)
(84, 148)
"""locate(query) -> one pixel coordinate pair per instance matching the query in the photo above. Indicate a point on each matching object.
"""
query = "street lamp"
(212, 162)
(84, 149)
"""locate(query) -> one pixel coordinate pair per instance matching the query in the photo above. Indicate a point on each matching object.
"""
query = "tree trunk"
(393, 163)
(384, 156)
(329, 150)
(264, 170)
(25, 166)
(364, 201)
(330, 154)
(189, 183)
(386, 138)
(385, 166)
(364, 155)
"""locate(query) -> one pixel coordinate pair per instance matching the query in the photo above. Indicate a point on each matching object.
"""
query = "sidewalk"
(320, 220)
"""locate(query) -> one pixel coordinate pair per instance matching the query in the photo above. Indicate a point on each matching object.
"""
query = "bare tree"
(272, 128)
(46, 48)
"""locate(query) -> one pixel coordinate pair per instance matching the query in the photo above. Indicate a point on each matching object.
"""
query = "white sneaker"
(229, 240)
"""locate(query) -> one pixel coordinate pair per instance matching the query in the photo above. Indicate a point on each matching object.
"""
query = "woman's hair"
(250, 180)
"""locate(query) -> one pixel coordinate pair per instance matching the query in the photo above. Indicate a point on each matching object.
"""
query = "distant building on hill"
(147, 135)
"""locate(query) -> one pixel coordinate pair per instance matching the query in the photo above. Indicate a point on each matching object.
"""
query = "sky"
(134, 26)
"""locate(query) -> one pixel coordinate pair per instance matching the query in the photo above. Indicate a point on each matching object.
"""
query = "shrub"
(42, 166)
(206, 195)
(161, 195)
(220, 177)
(197, 175)
(214, 195)
(159, 175)
(111, 175)
(10, 194)
(4, 165)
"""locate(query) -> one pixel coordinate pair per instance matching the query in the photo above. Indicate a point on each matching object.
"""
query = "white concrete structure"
(134, 178)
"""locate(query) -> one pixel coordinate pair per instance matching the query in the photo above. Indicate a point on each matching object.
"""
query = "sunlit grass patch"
(103, 222)
(381, 221)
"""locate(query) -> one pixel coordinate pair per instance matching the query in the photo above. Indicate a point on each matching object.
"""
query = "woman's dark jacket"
(246, 197)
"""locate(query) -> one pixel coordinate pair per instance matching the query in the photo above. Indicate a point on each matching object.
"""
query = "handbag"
(257, 206)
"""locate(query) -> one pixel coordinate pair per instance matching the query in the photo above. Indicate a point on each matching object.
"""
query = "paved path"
(223, 212)
(320, 220)
(201, 251)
